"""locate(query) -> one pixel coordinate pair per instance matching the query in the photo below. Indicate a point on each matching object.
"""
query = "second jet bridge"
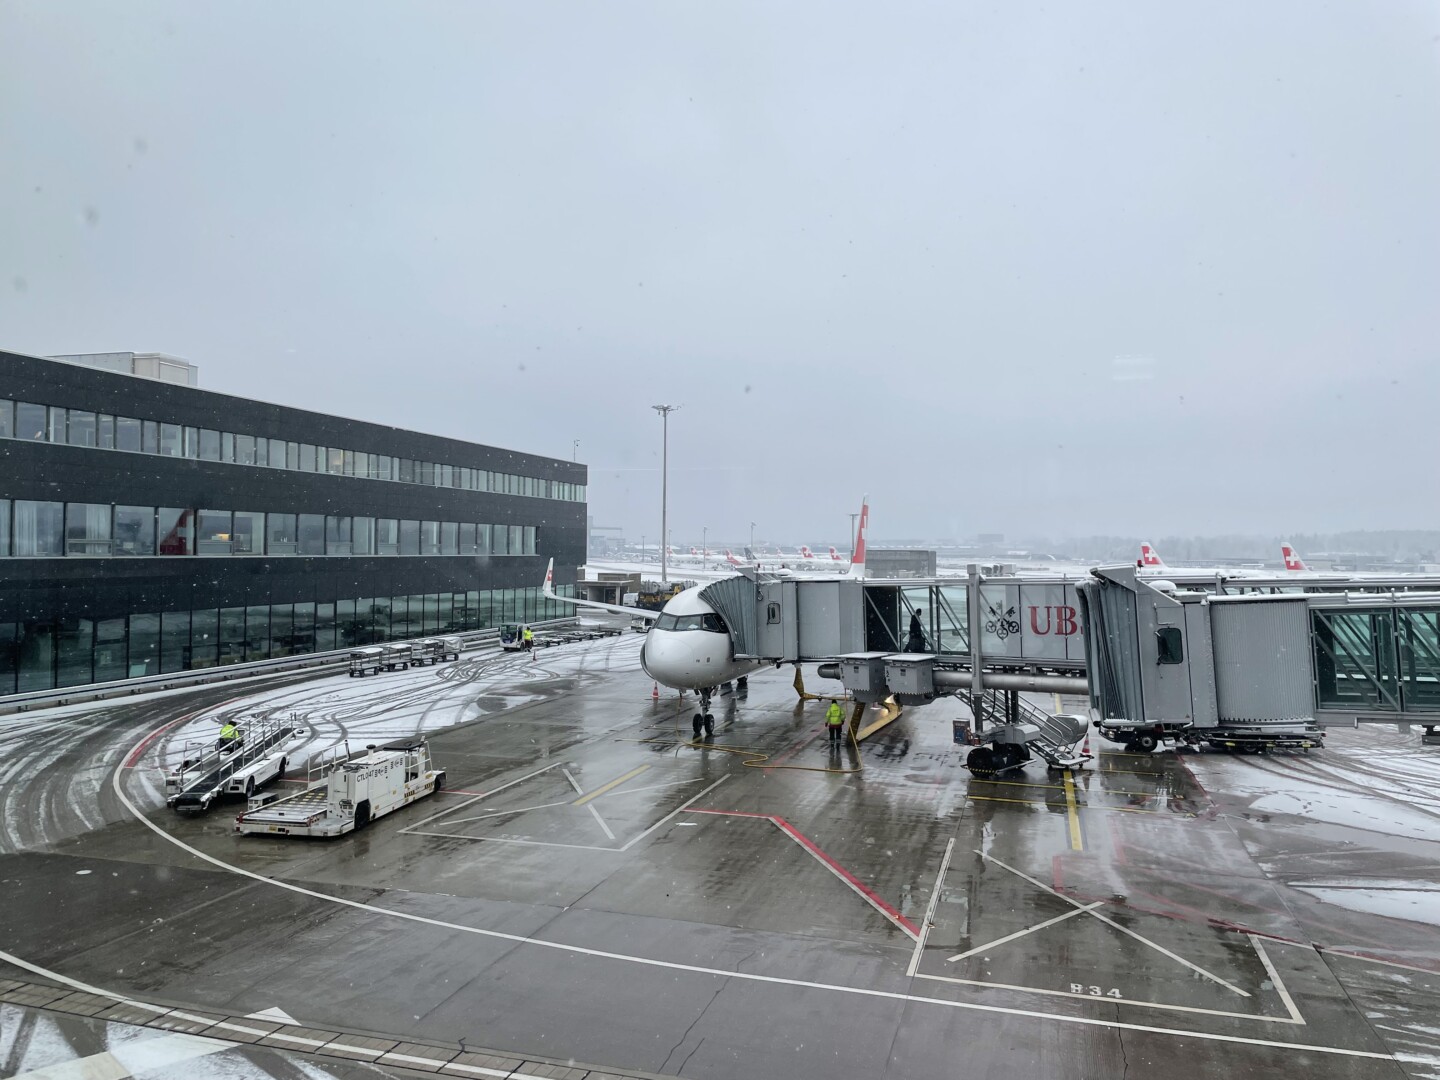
(1030, 625)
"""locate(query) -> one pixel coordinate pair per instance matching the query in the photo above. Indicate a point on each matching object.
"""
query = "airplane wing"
(614, 609)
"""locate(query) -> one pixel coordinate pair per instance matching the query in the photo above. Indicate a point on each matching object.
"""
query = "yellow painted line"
(1077, 842)
(1088, 806)
(611, 785)
(1060, 787)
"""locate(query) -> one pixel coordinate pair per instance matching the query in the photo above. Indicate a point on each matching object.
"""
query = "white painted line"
(1261, 1017)
(477, 798)
(698, 795)
(491, 815)
(599, 820)
(649, 787)
(573, 782)
(929, 919)
(518, 840)
(297, 1039)
(434, 1063)
(131, 1058)
(1275, 978)
(1028, 930)
(478, 1070)
(1115, 925)
(695, 969)
(1326, 950)
(368, 1051)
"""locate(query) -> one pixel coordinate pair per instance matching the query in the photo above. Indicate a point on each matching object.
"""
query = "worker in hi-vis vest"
(229, 735)
(835, 722)
(528, 637)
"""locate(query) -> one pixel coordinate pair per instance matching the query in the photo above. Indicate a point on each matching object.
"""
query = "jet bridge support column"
(977, 661)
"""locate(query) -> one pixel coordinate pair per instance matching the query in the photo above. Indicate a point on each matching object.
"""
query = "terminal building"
(148, 526)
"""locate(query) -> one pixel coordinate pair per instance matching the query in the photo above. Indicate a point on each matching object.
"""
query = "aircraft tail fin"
(857, 557)
(1149, 557)
(1293, 562)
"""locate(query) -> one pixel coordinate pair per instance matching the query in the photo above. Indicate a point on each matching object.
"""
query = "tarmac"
(594, 895)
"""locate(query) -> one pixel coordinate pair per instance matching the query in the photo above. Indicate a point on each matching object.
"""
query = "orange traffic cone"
(655, 692)
(1085, 750)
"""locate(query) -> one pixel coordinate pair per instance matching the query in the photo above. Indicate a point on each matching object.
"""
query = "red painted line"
(853, 881)
(870, 895)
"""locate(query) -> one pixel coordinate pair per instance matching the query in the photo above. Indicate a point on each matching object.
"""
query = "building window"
(134, 530)
(499, 540)
(192, 442)
(7, 431)
(169, 439)
(281, 537)
(337, 535)
(429, 538)
(87, 529)
(209, 445)
(174, 641)
(176, 529)
(312, 534)
(409, 538)
(529, 540)
(111, 636)
(279, 458)
(517, 539)
(149, 437)
(144, 645)
(387, 536)
(81, 428)
(245, 449)
(204, 637)
(385, 467)
(467, 539)
(227, 446)
(30, 421)
(483, 539)
(362, 540)
(213, 533)
(449, 538)
(4, 549)
(37, 528)
(262, 452)
(248, 533)
(307, 457)
(335, 461)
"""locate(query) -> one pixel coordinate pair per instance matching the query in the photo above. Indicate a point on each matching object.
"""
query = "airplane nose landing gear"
(704, 720)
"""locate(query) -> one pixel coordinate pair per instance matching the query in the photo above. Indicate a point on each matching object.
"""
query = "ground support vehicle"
(367, 661)
(240, 767)
(512, 636)
(397, 656)
(353, 793)
(425, 651)
(1058, 739)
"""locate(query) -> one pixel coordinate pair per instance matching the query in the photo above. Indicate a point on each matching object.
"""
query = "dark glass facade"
(148, 528)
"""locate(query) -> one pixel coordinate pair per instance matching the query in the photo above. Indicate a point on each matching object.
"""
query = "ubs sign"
(1031, 621)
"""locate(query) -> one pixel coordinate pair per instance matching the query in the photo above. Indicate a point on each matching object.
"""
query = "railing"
(71, 695)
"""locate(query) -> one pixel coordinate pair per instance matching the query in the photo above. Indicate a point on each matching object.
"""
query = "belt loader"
(350, 795)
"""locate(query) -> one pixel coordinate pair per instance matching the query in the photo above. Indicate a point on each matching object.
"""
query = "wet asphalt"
(594, 889)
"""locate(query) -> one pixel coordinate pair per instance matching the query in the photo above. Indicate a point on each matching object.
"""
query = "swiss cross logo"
(1292, 561)
(1149, 556)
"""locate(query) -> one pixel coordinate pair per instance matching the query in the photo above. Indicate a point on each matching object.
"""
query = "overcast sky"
(1060, 269)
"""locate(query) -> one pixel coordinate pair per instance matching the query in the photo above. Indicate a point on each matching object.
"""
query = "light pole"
(642, 547)
(704, 546)
(574, 449)
(852, 533)
(664, 411)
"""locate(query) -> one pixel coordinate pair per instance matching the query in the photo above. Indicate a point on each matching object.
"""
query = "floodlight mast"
(665, 411)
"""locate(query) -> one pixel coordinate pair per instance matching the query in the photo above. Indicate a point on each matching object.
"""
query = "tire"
(698, 725)
(1145, 742)
(249, 787)
(362, 815)
(439, 784)
(709, 724)
(981, 761)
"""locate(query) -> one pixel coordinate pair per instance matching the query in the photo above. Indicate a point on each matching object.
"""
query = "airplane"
(1293, 562)
(688, 645)
(835, 556)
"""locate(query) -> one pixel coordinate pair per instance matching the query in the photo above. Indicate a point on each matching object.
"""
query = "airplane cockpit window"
(709, 621)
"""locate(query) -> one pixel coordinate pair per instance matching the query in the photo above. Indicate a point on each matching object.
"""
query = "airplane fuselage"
(689, 648)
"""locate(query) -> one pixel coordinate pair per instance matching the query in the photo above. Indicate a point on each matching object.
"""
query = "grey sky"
(1065, 269)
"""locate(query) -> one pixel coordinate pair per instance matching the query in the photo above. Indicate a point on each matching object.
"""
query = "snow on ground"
(341, 709)
(1413, 901)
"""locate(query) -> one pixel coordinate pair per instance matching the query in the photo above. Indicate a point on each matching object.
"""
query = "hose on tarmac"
(751, 758)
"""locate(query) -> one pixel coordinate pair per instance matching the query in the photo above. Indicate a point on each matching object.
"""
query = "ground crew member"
(229, 736)
(915, 640)
(527, 637)
(835, 722)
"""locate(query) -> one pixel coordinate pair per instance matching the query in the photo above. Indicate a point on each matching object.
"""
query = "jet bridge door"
(777, 620)
(831, 619)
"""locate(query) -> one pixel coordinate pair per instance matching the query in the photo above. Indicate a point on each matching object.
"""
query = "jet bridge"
(1257, 670)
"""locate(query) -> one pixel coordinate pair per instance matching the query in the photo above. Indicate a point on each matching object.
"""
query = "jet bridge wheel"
(981, 761)
(1144, 742)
